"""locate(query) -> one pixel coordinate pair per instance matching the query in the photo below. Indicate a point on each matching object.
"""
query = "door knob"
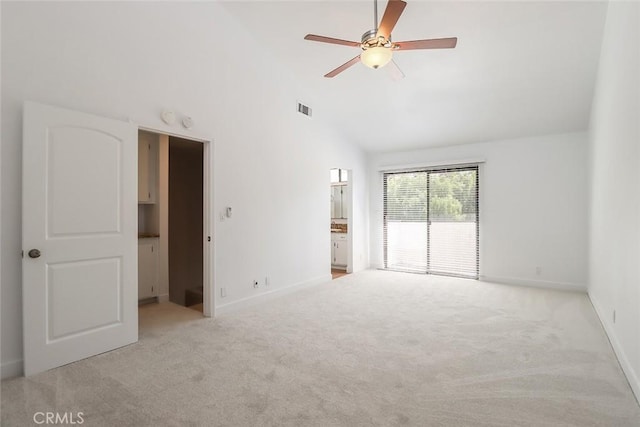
(34, 253)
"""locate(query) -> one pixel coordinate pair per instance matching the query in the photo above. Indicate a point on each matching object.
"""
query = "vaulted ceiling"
(520, 68)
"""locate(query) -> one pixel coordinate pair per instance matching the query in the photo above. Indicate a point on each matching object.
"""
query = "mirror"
(343, 203)
(339, 179)
(338, 202)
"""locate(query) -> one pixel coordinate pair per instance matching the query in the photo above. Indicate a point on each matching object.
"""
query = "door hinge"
(22, 254)
(149, 195)
(151, 248)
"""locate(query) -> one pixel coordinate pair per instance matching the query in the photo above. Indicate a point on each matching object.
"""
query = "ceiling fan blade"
(331, 40)
(343, 67)
(394, 71)
(447, 43)
(390, 18)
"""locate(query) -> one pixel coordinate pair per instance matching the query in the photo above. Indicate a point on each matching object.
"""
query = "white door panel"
(85, 198)
(80, 211)
(66, 284)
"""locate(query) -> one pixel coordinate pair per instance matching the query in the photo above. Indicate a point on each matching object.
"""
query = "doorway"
(341, 208)
(82, 224)
(185, 223)
(173, 244)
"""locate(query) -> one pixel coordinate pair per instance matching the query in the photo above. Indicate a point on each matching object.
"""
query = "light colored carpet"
(369, 349)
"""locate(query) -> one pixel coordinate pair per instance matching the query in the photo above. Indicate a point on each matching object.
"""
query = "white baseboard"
(543, 284)
(270, 295)
(632, 377)
(11, 369)
(163, 298)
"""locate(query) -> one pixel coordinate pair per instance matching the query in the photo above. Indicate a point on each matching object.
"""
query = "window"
(430, 221)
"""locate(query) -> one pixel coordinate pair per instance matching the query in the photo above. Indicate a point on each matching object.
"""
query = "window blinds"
(430, 221)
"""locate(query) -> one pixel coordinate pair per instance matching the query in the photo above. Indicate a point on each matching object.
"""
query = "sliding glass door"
(406, 221)
(430, 222)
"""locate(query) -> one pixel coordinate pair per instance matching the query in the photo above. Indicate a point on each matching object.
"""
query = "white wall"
(128, 61)
(533, 206)
(614, 258)
(1, 204)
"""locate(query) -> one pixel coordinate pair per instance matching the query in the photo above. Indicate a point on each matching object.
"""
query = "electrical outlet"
(255, 284)
(538, 271)
(266, 281)
(223, 292)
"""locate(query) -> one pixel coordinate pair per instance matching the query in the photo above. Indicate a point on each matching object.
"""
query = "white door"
(79, 235)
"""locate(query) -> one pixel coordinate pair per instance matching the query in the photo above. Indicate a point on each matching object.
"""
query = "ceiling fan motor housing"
(370, 39)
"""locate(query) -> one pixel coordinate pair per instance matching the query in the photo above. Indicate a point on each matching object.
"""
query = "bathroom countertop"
(147, 235)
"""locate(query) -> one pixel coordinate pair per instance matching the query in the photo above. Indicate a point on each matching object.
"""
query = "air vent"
(304, 109)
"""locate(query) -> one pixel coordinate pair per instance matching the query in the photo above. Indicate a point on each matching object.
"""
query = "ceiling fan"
(377, 47)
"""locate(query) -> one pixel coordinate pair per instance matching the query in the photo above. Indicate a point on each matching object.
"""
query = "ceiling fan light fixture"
(376, 57)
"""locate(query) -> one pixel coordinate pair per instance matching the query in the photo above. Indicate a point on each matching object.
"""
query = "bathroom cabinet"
(147, 167)
(339, 246)
(147, 268)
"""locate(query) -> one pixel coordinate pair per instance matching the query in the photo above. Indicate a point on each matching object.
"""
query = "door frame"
(350, 220)
(208, 225)
(349, 192)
